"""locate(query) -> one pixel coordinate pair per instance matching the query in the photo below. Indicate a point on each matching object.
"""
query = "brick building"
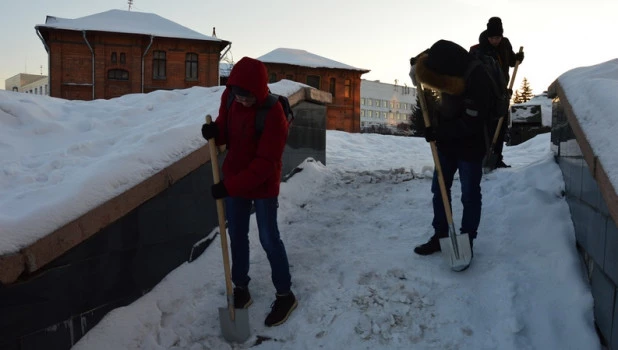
(341, 80)
(118, 52)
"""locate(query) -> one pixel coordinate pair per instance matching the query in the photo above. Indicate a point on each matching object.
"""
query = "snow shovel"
(456, 247)
(234, 322)
(491, 159)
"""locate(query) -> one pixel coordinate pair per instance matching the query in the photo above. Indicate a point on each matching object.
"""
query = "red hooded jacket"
(252, 166)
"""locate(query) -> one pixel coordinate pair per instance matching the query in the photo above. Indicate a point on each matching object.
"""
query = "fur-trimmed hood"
(443, 66)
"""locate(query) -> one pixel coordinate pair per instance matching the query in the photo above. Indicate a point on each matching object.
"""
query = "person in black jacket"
(458, 129)
(493, 43)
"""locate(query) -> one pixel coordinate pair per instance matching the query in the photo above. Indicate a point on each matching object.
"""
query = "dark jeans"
(470, 173)
(238, 213)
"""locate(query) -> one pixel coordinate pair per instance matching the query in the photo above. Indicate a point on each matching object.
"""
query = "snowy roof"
(304, 59)
(120, 21)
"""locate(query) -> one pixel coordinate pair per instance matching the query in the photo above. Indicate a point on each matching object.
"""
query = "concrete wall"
(594, 210)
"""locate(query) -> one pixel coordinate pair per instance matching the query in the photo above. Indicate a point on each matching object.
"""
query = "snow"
(591, 92)
(349, 227)
(304, 59)
(119, 21)
(524, 109)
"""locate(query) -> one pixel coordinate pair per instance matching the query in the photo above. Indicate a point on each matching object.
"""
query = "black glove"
(510, 92)
(430, 134)
(218, 191)
(519, 57)
(210, 131)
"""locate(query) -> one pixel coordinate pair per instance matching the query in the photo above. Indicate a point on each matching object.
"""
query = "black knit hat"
(494, 27)
(447, 57)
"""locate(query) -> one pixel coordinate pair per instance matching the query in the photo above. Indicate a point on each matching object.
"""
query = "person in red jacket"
(251, 176)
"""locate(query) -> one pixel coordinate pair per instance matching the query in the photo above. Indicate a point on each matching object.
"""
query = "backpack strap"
(260, 116)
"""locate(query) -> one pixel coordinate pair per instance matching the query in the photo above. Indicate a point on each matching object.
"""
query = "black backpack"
(501, 96)
(262, 111)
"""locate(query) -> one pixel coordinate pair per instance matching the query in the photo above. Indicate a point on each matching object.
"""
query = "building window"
(347, 91)
(191, 66)
(114, 58)
(313, 81)
(272, 78)
(362, 101)
(123, 58)
(289, 77)
(117, 74)
(331, 87)
(158, 65)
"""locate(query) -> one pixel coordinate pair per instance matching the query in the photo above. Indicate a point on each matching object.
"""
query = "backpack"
(262, 111)
(501, 100)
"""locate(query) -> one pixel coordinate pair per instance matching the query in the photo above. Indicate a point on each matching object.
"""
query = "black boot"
(242, 298)
(432, 246)
(282, 307)
(501, 164)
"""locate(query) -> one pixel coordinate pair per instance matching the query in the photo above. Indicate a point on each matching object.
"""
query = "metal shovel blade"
(456, 251)
(236, 330)
(490, 162)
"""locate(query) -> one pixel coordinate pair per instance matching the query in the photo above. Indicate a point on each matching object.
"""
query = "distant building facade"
(342, 81)
(118, 52)
(28, 83)
(386, 105)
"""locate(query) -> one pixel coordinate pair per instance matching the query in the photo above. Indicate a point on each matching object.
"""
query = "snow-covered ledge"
(47, 246)
(584, 129)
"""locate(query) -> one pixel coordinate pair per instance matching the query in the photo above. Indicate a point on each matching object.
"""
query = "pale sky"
(380, 36)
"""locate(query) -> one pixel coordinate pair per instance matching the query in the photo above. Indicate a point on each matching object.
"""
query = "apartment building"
(385, 105)
(28, 83)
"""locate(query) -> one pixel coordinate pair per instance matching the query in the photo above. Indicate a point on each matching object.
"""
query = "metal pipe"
(143, 56)
(38, 33)
(93, 63)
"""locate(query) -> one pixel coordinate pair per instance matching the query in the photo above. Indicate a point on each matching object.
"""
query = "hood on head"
(251, 75)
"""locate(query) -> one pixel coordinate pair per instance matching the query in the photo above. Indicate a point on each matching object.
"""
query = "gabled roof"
(304, 59)
(120, 21)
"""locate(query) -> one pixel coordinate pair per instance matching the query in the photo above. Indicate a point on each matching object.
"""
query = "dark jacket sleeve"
(508, 52)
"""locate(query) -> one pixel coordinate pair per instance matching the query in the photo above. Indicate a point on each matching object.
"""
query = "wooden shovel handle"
(434, 153)
(222, 230)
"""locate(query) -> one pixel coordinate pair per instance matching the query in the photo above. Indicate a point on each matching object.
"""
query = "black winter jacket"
(503, 53)
(464, 109)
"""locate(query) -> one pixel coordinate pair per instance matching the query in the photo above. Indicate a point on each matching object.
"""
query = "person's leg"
(238, 212)
(470, 174)
(449, 167)
(439, 223)
(500, 143)
(266, 216)
(285, 301)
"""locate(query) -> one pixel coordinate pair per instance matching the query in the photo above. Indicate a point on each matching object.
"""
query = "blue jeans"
(470, 174)
(238, 213)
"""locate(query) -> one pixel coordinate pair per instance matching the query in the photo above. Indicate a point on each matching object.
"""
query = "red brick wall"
(71, 73)
(344, 112)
